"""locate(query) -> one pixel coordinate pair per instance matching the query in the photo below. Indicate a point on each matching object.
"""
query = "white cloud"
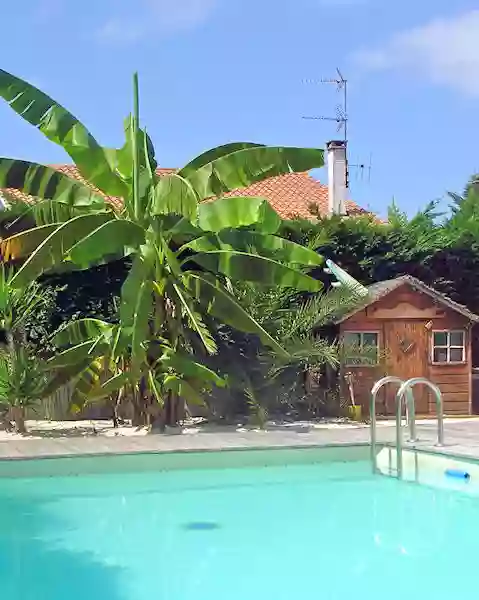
(119, 31)
(156, 16)
(181, 14)
(445, 50)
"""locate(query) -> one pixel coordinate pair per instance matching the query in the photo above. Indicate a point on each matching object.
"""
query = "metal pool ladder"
(405, 391)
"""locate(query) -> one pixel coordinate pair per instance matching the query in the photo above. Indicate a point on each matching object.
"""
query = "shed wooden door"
(406, 346)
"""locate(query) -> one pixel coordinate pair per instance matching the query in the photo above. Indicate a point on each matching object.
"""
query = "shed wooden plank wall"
(413, 315)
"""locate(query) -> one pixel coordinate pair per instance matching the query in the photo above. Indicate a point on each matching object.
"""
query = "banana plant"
(187, 241)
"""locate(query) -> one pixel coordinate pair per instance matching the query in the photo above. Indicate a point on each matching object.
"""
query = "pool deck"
(461, 439)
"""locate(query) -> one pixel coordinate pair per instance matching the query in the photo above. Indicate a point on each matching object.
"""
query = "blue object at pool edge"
(457, 474)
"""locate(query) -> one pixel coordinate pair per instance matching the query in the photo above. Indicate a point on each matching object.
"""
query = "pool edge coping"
(267, 448)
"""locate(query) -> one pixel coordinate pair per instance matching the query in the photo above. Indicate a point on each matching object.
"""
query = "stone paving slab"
(461, 437)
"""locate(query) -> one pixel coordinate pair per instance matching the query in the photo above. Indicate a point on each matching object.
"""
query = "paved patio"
(461, 438)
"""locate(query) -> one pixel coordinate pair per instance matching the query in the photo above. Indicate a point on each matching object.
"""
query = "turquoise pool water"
(326, 531)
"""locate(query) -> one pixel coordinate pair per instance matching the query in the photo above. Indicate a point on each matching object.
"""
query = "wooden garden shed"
(410, 330)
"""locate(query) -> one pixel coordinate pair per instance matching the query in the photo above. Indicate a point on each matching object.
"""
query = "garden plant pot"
(354, 413)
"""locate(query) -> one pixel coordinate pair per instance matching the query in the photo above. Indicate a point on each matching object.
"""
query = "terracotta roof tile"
(290, 195)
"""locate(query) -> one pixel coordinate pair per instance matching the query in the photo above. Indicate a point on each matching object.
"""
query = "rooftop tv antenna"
(341, 120)
(363, 170)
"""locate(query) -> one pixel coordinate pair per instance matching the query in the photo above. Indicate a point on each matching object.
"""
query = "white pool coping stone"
(55, 439)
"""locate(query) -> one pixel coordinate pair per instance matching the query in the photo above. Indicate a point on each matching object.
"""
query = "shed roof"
(379, 290)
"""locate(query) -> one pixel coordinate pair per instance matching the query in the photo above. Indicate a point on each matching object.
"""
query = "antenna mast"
(341, 118)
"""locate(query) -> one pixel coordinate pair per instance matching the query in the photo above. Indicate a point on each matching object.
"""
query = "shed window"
(448, 347)
(361, 348)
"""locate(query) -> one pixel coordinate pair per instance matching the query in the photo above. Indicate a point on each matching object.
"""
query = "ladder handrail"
(399, 399)
(404, 392)
(408, 385)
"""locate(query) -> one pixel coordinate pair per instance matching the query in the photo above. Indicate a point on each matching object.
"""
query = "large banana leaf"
(137, 303)
(116, 237)
(174, 195)
(256, 243)
(183, 389)
(45, 212)
(109, 387)
(61, 127)
(12, 209)
(213, 154)
(85, 382)
(140, 324)
(242, 266)
(177, 229)
(82, 330)
(138, 150)
(244, 167)
(155, 381)
(55, 247)
(238, 211)
(223, 306)
(123, 157)
(46, 183)
(58, 377)
(196, 322)
(142, 269)
(76, 354)
(190, 369)
(87, 374)
(25, 243)
(20, 214)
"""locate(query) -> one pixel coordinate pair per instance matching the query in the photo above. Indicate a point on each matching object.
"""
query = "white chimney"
(337, 177)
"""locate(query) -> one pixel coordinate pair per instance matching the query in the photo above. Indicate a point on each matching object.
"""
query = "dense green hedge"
(440, 250)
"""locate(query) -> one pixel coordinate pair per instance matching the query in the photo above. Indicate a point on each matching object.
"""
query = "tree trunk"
(141, 416)
(138, 416)
(173, 411)
(116, 405)
(18, 415)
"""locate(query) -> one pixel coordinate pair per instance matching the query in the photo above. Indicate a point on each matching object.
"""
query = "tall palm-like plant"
(263, 379)
(22, 379)
(184, 251)
(22, 384)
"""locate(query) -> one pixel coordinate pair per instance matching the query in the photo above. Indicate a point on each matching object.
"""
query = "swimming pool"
(276, 525)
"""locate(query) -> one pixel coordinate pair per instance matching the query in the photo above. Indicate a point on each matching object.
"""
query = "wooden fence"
(57, 408)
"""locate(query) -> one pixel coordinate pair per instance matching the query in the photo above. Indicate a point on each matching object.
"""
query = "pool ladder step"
(404, 394)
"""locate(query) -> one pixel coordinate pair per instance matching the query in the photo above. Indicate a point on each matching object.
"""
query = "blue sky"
(213, 71)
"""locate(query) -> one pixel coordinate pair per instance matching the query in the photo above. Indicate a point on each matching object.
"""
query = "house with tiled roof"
(291, 195)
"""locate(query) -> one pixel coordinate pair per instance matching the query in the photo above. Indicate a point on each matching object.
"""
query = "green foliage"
(172, 280)
(47, 183)
(442, 250)
(262, 380)
(22, 379)
(178, 277)
(63, 128)
(25, 313)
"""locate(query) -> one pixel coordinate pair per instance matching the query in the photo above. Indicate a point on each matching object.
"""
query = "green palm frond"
(304, 352)
(17, 305)
(258, 412)
(22, 379)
